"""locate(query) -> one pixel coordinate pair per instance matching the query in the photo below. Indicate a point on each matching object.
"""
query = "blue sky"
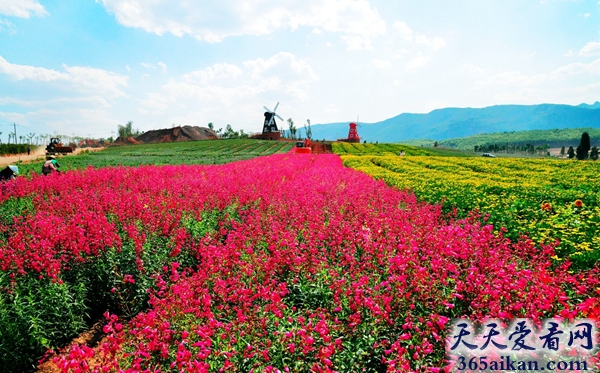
(82, 67)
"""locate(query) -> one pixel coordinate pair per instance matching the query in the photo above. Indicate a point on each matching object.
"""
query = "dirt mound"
(126, 140)
(90, 143)
(177, 134)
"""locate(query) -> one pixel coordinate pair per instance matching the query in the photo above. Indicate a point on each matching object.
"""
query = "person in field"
(9, 173)
(51, 165)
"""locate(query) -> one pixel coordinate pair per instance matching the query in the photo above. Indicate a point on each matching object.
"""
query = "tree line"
(293, 133)
(512, 149)
(583, 151)
(555, 138)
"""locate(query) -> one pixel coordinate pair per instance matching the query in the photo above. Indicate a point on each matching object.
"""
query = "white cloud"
(590, 49)
(592, 68)
(357, 42)
(357, 20)
(404, 31)
(569, 84)
(80, 79)
(473, 70)
(99, 121)
(436, 43)
(569, 54)
(147, 65)
(332, 109)
(8, 26)
(77, 99)
(20, 72)
(22, 8)
(234, 90)
(57, 103)
(586, 15)
(217, 72)
(163, 66)
(417, 62)
(381, 64)
(402, 53)
(505, 78)
(96, 80)
(155, 102)
(542, 82)
(409, 35)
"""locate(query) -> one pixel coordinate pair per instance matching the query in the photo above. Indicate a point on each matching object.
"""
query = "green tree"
(570, 152)
(584, 147)
(308, 130)
(127, 130)
(292, 128)
(229, 133)
(562, 151)
(211, 126)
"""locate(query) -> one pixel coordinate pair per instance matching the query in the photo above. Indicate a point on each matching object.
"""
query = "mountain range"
(448, 123)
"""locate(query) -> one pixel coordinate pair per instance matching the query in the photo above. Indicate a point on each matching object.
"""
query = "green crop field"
(192, 152)
(346, 148)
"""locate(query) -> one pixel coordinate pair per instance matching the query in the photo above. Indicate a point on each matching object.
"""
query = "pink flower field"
(285, 263)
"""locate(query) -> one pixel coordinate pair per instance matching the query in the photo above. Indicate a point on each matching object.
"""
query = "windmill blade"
(274, 110)
(267, 109)
(277, 115)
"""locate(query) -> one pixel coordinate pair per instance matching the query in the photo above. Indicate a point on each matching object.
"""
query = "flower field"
(283, 263)
(545, 199)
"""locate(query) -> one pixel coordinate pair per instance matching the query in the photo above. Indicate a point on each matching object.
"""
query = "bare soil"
(37, 155)
(92, 338)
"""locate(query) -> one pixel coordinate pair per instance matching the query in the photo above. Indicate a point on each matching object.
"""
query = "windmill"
(270, 125)
(353, 133)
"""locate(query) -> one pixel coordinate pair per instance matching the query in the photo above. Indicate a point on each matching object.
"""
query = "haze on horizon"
(82, 67)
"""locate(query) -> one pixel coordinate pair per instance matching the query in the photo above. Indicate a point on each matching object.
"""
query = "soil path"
(37, 155)
(92, 338)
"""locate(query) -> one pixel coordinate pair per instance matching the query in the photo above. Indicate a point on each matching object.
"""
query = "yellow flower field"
(544, 199)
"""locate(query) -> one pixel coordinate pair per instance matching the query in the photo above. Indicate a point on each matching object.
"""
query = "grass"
(192, 152)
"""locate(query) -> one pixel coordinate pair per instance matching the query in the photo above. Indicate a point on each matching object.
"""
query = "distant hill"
(595, 105)
(555, 138)
(450, 123)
